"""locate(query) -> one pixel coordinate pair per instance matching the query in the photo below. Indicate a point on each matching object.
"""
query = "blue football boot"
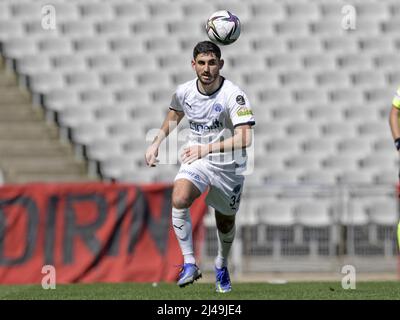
(223, 282)
(189, 273)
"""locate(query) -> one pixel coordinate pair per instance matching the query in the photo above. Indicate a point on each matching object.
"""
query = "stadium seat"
(197, 10)
(372, 10)
(131, 11)
(10, 29)
(340, 44)
(100, 11)
(81, 80)
(85, 133)
(315, 214)
(115, 166)
(97, 96)
(304, 45)
(100, 149)
(68, 62)
(368, 79)
(383, 213)
(18, 47)
(342, 162)
(339, 129)
(324, 112)
(282, 177)
(104, 62)
(320, 145)
(304, 129)
(283, 61)
(354, 146)
(354, 62)
(31, 64)
(25, 11)
(139, 62)
(347, 95)
(110, 29)
(282, 146)
(297, 79)
(148, 27)
(118, 79)
(319, 61)
(131, 95)
(355, 215)
(268, 10)
(77, 28)
(165, 11)
(123, 46)
(251, 28)
(318, 177)
(276, 213)
(377, 160)
(43, 82)
(72, 116)
(386, 177)
(90, 45)
(292, 27)
(348, 177)
(57, 99)
(269, 45)
(283, 112)
(307, 11)
(304, 161)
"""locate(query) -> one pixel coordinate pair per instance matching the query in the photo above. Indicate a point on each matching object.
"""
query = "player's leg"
(189, 184)
(183, 195)
(224, 196)
(226, 234)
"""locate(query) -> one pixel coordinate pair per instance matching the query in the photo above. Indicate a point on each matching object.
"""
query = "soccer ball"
(223, 27)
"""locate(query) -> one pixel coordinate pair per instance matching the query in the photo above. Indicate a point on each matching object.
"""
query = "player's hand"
(193, 153)
(151, 155)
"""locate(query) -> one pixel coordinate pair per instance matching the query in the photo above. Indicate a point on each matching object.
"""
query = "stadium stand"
(104, 77)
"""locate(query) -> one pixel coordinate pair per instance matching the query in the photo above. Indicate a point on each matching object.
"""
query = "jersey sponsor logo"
(240, 100)
(198, 127)
(188, 105)
(244, 112)
(217, 107)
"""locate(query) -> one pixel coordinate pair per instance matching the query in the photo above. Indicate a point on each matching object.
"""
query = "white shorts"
(225, 185)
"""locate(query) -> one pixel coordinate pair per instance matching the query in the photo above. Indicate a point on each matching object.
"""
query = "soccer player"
(395, 128)
(220, 121)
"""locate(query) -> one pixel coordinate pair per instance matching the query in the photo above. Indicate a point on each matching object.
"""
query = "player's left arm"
(241, 139)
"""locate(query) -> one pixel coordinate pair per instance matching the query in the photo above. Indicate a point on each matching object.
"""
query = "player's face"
(207, 67)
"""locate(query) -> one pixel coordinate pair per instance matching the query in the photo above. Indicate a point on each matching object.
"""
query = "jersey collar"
(220, 86)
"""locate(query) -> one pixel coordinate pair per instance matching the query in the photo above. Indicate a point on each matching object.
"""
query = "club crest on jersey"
(217, 107)
(240, 100)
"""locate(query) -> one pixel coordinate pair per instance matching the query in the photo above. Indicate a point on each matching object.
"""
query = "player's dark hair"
(206, 47)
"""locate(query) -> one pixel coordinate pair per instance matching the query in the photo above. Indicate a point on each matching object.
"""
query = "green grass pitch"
(205, 291)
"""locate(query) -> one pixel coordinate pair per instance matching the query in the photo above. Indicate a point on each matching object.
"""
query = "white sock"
(224, 246)
(182, 224)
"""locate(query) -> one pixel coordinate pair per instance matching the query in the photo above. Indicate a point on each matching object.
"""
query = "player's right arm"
(170, 123)
(394, 119)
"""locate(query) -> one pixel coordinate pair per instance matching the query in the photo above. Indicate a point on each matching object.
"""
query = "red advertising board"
(91, 232)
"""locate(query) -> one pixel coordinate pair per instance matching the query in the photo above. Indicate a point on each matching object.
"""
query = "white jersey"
(213, 118)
